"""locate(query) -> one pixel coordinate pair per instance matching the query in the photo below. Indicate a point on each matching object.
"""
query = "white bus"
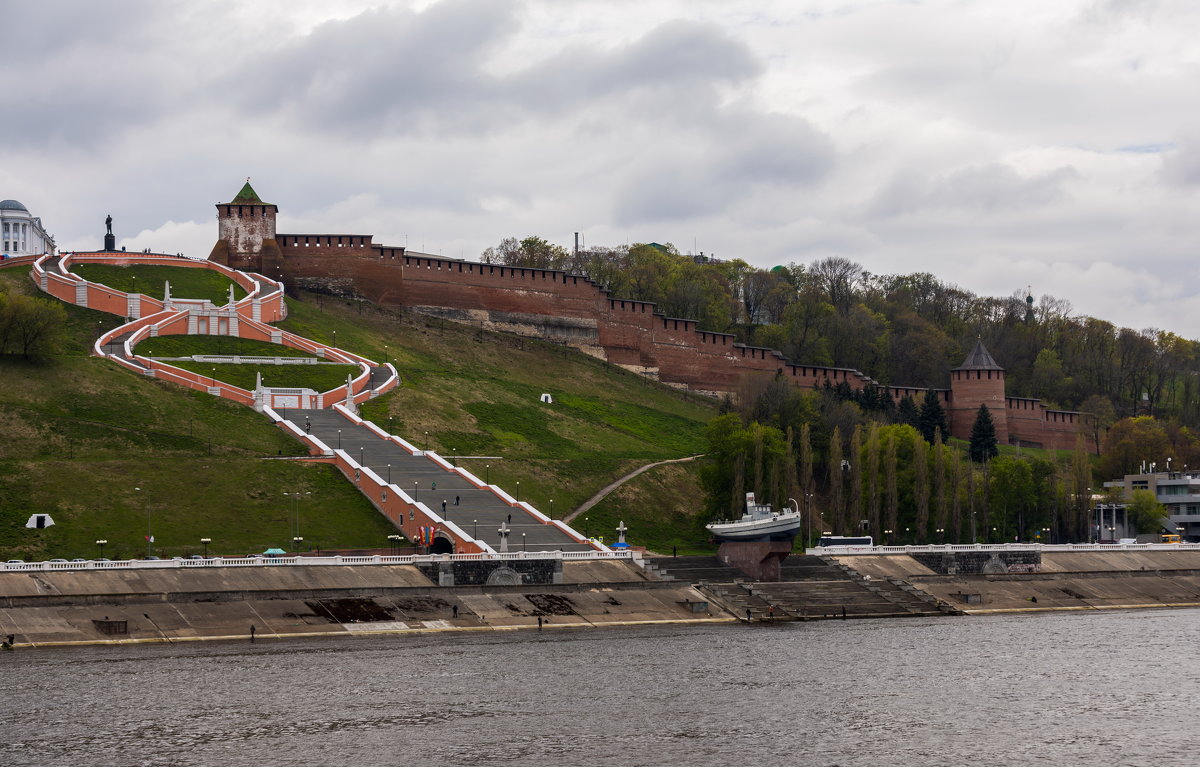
(846, 540)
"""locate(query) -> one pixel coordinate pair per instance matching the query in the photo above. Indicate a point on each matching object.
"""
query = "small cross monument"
(504, 531)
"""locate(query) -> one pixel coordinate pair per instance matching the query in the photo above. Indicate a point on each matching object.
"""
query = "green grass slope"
(80, 434)
(475, 398)
(659, 507)
(151, 281)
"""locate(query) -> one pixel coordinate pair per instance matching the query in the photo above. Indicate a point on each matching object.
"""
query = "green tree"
(907, 412)
(530, 252)
(983, 437)
(31, 327)
(932, 417)
(837, 481)
(1013, 496)
(1145, 512)
(1130, 442)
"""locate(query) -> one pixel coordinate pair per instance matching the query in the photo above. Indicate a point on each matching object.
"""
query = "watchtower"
(244, 223)
(977, 381)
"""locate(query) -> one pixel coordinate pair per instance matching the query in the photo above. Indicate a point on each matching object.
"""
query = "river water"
(1112, 688)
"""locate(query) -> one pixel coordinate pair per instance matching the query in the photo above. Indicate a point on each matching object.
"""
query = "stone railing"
(839, 551)
(310, 561)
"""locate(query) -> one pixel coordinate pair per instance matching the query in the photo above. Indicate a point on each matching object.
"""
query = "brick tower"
(978, 381)
(244, 224)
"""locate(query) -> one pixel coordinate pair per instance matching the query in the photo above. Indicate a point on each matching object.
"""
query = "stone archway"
(441, 545)
(504, 576)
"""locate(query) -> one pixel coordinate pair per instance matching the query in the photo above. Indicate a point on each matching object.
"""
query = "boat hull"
(781, 528)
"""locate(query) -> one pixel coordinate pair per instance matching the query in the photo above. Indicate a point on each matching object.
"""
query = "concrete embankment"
(1073, 580)
(44, 608)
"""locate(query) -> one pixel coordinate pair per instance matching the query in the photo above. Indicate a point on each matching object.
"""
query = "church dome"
(12, 205)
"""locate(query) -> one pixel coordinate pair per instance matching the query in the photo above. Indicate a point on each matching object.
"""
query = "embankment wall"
(1062, 581)
(53, 608)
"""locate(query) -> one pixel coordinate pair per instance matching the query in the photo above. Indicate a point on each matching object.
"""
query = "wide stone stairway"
(479, 513)
(810, 588)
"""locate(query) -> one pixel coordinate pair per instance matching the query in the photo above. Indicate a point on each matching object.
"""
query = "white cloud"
(996, 145)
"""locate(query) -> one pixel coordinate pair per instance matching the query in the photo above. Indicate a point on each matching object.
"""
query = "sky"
(999, 145)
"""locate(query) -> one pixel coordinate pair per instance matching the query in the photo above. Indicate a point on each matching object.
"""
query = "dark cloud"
(989, 187)
(382, 72)
(700, 169)
(395, 72)
(98, 68)
(1181, 165)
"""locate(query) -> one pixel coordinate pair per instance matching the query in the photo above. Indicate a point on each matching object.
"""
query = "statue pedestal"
(110, 241)
(758, 559)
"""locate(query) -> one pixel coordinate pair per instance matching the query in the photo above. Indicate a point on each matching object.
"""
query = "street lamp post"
(414, 492)
(454, 456)
(101, 543)
(487, 474)
(524, 545)
(426, 441)
(887, 537)
(796, 508)
(518, 491)
(475, 529)
(551, 508)
(360, 455)
(296, 541)
(395, 543)
(149, 527)
(206, 541)
(389, 473)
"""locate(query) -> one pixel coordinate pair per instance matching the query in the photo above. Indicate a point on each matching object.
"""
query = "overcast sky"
(998, 144)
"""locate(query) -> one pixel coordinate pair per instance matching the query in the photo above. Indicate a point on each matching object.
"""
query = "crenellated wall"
(573, 310)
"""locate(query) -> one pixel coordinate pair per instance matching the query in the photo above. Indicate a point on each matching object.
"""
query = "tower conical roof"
(979, 359)
(247, 196)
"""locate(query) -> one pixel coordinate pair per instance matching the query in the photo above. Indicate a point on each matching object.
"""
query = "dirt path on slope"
(589, 503)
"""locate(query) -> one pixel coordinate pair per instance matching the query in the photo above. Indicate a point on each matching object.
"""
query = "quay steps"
(810, 588)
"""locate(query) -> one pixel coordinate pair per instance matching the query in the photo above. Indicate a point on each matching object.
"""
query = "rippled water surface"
(1055, 689)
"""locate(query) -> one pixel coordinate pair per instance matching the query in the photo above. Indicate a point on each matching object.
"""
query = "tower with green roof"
(245, 223)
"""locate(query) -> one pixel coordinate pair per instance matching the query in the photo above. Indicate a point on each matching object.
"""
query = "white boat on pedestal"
(759, 523)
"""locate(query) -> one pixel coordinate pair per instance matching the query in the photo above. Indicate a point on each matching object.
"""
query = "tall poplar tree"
(893, 490)
(920, 461)
(872, 478)
(837, 484)
(855, 507)
(956, 516)
(940, 502)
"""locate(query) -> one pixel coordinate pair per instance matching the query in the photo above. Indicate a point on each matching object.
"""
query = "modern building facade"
(21, 233)
(1179, 491)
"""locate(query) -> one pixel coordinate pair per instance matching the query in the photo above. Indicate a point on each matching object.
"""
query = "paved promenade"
(477, 512)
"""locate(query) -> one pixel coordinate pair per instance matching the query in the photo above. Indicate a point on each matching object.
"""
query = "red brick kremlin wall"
(573, 310)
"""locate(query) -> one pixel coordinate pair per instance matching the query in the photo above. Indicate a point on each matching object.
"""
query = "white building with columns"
(21, 233)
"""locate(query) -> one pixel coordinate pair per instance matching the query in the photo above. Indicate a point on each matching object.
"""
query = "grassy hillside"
(151, 281)
(80, 434)
(475, 397)
(650, 506)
